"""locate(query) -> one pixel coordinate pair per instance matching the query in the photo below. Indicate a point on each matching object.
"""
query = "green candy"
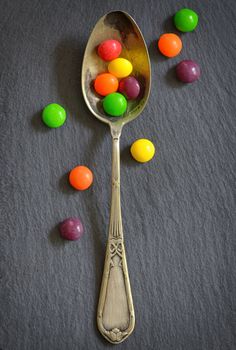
(115, 104)
(186, 20)
(54, 115)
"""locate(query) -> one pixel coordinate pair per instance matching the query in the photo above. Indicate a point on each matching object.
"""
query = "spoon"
(115, 315)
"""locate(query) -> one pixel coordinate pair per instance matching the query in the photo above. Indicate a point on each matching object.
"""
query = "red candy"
(108, 50)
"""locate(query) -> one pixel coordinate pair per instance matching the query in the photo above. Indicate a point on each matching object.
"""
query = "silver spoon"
(115, 317)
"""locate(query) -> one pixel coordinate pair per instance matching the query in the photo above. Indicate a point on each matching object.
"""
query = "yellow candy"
(120, 67)
(142, 150)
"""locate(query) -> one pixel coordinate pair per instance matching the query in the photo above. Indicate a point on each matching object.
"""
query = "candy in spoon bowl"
(120, 26)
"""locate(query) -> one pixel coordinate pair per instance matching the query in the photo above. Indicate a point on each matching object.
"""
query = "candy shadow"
(168, 26)
(127, 159)
(155, 54)
(37, 123)
(64, 185)
(172, 80)
(55, 238)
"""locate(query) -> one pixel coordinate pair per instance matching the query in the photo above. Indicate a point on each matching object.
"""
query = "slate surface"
(178, 210)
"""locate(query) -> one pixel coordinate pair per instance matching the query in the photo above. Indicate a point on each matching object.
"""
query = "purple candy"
(129, 87)
(71, 229)
(187, 71)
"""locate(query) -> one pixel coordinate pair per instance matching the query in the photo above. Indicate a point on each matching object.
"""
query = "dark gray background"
(178, 210)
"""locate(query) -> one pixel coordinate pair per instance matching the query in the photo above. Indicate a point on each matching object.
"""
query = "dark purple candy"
(129, 87)
(187, 71)
(71, 229)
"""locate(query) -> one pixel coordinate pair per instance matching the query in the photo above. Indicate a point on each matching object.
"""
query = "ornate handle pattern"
(115, 316)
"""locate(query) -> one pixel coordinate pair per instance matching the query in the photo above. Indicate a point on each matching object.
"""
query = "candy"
(71, 229)
(115, 104)
(186, 20)
(187, 71)
(142, 150)
(109, 50)
(54, 115)
(120, 67)
(170, 44)
(129, 87)
(81, 178)
(105, 84)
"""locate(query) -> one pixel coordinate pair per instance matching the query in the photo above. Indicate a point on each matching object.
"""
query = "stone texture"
(178, 210)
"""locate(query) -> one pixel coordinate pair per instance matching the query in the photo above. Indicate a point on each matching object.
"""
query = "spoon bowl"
(120, 26)
(115, 315)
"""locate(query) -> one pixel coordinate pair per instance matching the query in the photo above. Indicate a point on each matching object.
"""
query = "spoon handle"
(115, 316)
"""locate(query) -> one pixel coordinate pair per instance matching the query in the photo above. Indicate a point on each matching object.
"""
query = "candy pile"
(170, 45)
(116, 92)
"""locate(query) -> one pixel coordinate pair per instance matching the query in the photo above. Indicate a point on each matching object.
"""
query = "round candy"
(187, 71)
(105, 84)
(120, 67)
(142, 150)
(109, 50)
(54, 115)
(81, 178)
(186, 20)
(129, 87)
(71, 228)
(170, 44)
(115, 104)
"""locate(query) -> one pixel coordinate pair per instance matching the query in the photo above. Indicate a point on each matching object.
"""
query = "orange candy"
(105, 84)
(81, 178)
(170, 44)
